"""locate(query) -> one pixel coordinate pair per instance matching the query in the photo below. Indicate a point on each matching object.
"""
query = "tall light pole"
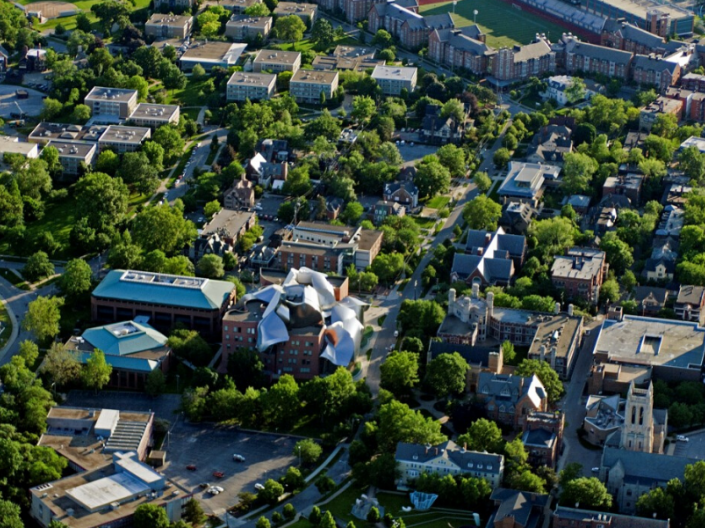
(474, 16)
(299, 449)
(455, 2)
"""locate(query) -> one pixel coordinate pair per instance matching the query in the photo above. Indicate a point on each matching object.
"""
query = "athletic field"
(504, 24)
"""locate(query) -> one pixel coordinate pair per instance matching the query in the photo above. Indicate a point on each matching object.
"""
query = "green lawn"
(84, 5)
(503, 24)
(424, 223)
(439, 202)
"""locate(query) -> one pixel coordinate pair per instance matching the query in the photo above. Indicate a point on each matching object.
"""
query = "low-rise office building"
(155, 115)
(308, 86)
(168, 26)
(394, 79)
(348, 58)
(74, 156)
(117, 102)
(447, 458)
(276, 61)
(12, 145)
(123, 138)
(245, 27)
(45, 132)
(195, 302)
(209, 54)
(252, 86)
(306, 12)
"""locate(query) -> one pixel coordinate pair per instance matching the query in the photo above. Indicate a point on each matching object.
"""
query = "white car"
(259, 487)
(218, 489)
(238, 458)
(213, 491)
(396, 333)
(682, 438)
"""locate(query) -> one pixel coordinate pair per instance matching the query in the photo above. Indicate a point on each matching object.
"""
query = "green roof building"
(196, 302)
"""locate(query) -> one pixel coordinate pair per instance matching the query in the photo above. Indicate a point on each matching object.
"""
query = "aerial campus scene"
(352, 263)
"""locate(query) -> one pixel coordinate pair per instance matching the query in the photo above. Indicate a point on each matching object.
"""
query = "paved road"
(574, 406)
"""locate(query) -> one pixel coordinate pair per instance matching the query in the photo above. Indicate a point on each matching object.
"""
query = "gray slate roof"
(524, 507)
(490, 463)
(599, 52)
(646, 468)
(644, 62)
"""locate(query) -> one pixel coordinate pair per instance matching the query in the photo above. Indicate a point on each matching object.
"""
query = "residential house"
(117, 102)
(438, 130)
(676, 194)
(314, 87)
(543, 437)
(306, 12)
(509, 399)
(133, 349)
(662, 105)
(661, 266)
(628, 185)
(168, 26)
(229, 225)
(490, 258)
(155, 115)
(240, 195)
(245, 27)
(516, 217)
(382, 209)
(394, 79)
(263, 172)
(460, 48)
(571, 517)
(671, 223)
(579, 202)
(690, 303)
(253, 86)
(525, 182)
(650, 300)
(404, 193)
(479, 358)
(510, 65)
(123, 139)
(550, 145)
(276, 61)
(580, 273)
(446, 459)
(287, 324)
(334, 206)
(212, 243)
(195, 302)
(33, 60)
(630, 474)
(75, 157)
(559, 90)
(210, 54)
(517, 509)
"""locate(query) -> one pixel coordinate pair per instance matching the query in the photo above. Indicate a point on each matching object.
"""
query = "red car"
(191, 467)
(218, 474)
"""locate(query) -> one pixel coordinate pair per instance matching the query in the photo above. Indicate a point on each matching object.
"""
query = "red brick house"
(580, 273)
(404, 193)
(543, 437)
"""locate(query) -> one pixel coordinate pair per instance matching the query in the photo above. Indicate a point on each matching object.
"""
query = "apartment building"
(245, 27)
(45, 132)
(238, 6)
(155, 115)
(306, 12)
(12, 145)
(521, 62)
(277, 61)
(394, 79)
(210, 54)
(654, 70)
(252, 86)
(348, 58)
(662, 105)
(123, 138)
(74, 156)
(460, 48)
(306, 86)
(690, 304)
(173, 5)
(628, 37)
(168, 26)
(580, 273)
(586, 57)
(118, 102)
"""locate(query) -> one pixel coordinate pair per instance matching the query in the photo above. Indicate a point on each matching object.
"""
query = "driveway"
(211, 449)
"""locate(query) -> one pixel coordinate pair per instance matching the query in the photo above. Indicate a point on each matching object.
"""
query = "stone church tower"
(638, 430)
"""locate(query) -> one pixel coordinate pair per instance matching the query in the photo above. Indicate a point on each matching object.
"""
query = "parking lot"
(10, 104)
(693, 448)
(211, 449)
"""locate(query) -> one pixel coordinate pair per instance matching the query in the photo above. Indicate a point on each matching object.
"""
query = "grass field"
(438, 202)
(503, 24)
(69, 23)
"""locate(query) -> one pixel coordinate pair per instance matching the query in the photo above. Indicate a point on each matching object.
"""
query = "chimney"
(451, 297)
(570, 310)
(475, 290)
(490, 303)
(557, 308)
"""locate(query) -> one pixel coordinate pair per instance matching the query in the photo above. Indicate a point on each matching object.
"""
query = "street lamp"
(299, 449)
(474, 16)
(455, 2)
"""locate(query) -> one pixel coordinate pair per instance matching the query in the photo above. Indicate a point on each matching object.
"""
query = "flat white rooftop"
(102, 492)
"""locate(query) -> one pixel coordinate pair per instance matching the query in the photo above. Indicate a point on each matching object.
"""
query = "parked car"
(191, 467)
(596, 470)
(218, 474)
(682, 438)
(238, 458)
(259, 487)
(204, 485)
